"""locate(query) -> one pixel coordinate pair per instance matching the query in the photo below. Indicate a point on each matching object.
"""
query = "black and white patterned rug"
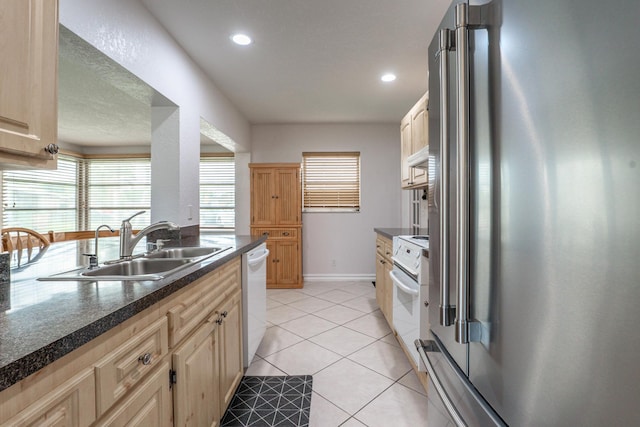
(270, 401)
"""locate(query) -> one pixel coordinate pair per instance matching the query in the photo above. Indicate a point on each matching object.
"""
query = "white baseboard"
(338, 277)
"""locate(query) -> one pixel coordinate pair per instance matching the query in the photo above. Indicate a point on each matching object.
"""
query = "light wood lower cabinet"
(70, 405)
(384, 285)
(197, 381)
(158, 368)
(123, 368)
(230, 335)
(149, 404)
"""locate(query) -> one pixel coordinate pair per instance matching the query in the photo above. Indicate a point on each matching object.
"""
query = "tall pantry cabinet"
(276, 210)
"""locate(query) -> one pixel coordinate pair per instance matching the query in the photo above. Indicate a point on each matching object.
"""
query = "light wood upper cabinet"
(414, 135)
(275, 195)
(276, 210)
(29, 81)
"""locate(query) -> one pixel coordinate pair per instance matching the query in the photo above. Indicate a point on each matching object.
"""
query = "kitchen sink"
(194, 252)
(138, 267)
(153, 266)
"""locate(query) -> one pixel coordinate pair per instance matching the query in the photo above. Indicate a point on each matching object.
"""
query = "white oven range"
(410, 277)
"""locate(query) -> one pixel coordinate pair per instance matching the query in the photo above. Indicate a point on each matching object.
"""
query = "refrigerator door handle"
(467, 17)
(447, 312)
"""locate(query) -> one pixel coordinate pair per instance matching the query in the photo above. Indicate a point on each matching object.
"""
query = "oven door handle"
(400, 284)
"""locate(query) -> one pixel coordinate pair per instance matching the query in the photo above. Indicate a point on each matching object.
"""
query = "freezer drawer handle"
(431, 347)
(435, 380)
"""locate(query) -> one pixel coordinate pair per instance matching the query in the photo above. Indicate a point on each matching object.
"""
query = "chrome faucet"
(128, 240)
(93, 258)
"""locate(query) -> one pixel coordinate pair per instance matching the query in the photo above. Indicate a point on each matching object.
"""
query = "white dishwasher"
(254, 300)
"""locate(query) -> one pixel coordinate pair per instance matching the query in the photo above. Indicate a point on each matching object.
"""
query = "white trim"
(338, 277)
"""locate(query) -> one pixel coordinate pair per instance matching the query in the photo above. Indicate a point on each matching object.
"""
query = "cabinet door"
(263, 196)
(288, 196)
(388, 293)
(405, 150)
(70, 405)
(419, 137)
(380, 281)
(230, 338)
(149, 404)
(287, 262)
(28, 99)
(272, 271)
(196, 391)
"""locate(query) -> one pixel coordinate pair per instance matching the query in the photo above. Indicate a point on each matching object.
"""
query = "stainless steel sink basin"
(194, 252)
(138, 267)
(154, 266)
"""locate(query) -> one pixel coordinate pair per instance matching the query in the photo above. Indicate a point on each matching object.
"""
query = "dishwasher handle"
(258, 260)
(400, 285)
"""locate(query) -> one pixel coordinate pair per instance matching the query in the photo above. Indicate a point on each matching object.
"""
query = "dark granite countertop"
(41, 321)
(390, 233)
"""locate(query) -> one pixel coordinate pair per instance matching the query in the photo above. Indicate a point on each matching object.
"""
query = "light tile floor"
(361, 377)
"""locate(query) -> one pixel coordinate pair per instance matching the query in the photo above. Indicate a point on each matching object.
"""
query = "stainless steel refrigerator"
(534, 213)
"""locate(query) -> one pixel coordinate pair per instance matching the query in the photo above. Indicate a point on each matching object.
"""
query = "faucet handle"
(133, 216)
(160, 243)
(93, 260)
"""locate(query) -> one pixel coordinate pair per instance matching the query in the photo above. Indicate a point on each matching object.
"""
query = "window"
(331, 182)
(81, 194)
(217, 192)
(41, 200)
(117, 189)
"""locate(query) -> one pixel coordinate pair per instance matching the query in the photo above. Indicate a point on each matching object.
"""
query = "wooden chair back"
(20, 239)
(62, 236)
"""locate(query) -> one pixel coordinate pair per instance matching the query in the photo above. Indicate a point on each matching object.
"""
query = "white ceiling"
(311, 61)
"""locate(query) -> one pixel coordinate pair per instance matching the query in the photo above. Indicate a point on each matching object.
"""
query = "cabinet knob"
(426, 303)
(145, 359)
(224, 313)
(285, 233)
(219, 321)
(52, 148)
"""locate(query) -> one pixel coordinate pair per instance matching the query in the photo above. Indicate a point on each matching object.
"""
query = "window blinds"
(117, 189)
(331, 181)
(217, 192)
(41, 200)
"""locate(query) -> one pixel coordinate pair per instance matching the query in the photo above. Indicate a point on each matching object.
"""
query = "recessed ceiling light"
(388, 77)
(241, 39)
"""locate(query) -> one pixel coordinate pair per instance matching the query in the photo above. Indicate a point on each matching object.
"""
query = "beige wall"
(341, 245)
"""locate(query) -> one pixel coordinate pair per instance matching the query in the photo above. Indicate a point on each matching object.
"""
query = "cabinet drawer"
(124, 367)
(277, 233)
(198, 304)
(384, 247)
